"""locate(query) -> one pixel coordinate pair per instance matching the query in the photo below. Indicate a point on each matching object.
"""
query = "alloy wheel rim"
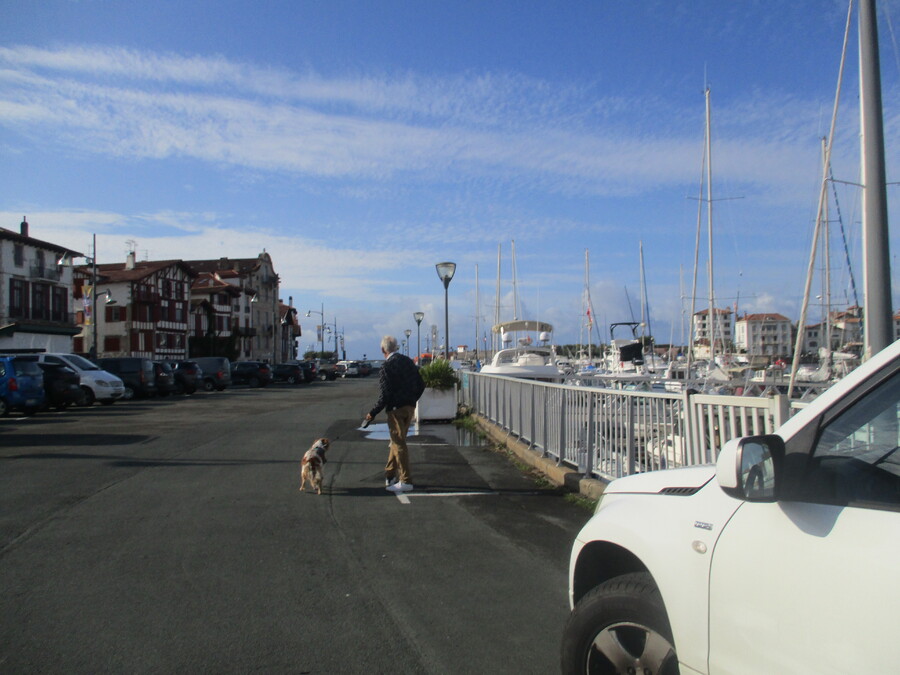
(627, 647)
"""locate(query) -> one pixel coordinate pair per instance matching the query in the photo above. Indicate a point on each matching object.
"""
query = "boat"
(525, 359)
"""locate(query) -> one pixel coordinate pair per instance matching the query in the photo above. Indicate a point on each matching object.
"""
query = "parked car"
(365, 368)
(326, 370)
(310, 371)
(96, 383)
(21, 386)
(252, 373)
(188, 376)
(136, 373)
(780, 558)
(62, 385)
(292, 373)
(350, 368)
(165, 378)
(216, 372)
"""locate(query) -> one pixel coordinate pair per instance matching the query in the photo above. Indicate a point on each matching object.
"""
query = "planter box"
(436, 405)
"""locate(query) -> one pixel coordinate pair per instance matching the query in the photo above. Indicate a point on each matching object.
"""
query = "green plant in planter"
(439, 375)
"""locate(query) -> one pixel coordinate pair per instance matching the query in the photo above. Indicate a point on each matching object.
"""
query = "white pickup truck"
(783, 557)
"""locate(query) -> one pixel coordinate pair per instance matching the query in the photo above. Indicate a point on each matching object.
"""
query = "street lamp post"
(445, 271)
(321, 329)
(407, 333)
(418, 316)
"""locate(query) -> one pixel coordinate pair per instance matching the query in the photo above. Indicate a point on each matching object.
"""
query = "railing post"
(691, 451)
(589, 437)
(561, 442)
(779, 411)
(629, 436)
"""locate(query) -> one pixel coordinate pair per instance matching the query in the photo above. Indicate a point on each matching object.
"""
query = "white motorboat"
(525, 360)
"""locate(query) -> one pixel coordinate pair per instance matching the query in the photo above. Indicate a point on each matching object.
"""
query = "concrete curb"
(557, 474)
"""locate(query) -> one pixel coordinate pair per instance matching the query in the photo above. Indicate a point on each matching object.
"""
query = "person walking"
(400, 385)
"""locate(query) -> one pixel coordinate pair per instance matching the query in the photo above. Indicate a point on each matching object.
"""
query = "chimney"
(24, 227)
(129, 261)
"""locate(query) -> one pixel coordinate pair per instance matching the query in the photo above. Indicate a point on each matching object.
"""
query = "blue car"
(21, 386)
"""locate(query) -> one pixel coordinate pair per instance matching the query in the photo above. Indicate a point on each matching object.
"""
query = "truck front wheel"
(620, 626)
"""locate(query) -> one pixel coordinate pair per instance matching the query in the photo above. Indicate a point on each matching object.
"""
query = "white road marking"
(403, 497)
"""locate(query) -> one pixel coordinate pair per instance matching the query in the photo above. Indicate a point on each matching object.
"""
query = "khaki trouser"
(398, 425)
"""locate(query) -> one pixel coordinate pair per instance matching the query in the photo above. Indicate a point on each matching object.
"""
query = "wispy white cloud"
(529, 134)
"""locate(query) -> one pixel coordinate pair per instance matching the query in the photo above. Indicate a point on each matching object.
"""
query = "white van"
(98, 385)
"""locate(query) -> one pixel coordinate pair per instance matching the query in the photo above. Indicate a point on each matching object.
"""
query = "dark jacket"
(399, 384)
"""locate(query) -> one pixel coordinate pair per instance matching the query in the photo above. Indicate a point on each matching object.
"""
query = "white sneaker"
(390, 481)
(399, 487)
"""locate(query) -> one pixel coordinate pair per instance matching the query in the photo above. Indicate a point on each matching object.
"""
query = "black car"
(253, 373)
(188, 376)
(165, 378)
(310, 371)
(291, 373)
(62, 386)
(135, 372)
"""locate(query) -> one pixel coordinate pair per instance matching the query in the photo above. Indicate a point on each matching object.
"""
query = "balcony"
(45, 273)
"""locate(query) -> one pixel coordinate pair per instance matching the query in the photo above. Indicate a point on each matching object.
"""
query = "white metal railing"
(611, 433)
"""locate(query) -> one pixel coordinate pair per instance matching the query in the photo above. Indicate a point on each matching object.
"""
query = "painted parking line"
(403, 497)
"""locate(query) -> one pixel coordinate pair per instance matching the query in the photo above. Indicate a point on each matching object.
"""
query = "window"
(18, 255)
(40, 301)
(856, 461)
(59, 303)
(18, 298)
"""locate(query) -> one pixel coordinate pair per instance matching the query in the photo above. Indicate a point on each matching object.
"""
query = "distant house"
(145, 312)
(215, 321)
(704, 329)
(35, 293)
(764, 335)
(256, 317)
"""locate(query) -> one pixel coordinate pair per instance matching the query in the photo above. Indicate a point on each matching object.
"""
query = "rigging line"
(887, 14)
(840, 218)
(823, 198)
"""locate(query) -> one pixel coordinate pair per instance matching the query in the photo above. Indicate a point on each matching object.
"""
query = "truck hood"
(689, 479)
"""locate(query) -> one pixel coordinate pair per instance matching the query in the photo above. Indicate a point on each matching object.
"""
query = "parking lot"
(169, 534)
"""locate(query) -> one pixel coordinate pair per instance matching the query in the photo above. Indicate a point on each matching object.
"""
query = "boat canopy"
(512, 326)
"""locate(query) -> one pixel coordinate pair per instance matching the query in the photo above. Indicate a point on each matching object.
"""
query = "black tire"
(620, 626)
(253, 382)
(89, 397)
(292, 379)
(4, 408)
(209, 385)
(129, 393)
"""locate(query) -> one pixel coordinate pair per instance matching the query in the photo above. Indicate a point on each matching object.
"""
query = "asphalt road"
(170, 536)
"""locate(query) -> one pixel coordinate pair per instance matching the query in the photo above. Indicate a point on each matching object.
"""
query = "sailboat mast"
(494, 337)
(827, 259)
(876, 243)
(477, 311)
(515, 283)
(709, 220)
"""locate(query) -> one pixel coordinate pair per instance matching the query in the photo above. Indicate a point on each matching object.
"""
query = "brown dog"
(311, 465)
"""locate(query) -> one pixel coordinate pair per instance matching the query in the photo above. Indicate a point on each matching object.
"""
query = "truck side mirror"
(750, 468)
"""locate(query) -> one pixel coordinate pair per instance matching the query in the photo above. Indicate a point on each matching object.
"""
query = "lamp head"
(445, 272)
(418, 316)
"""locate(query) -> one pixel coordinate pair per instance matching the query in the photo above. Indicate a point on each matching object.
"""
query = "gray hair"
(389, 344)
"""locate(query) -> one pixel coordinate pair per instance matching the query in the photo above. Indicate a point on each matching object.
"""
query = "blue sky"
(361, 143)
